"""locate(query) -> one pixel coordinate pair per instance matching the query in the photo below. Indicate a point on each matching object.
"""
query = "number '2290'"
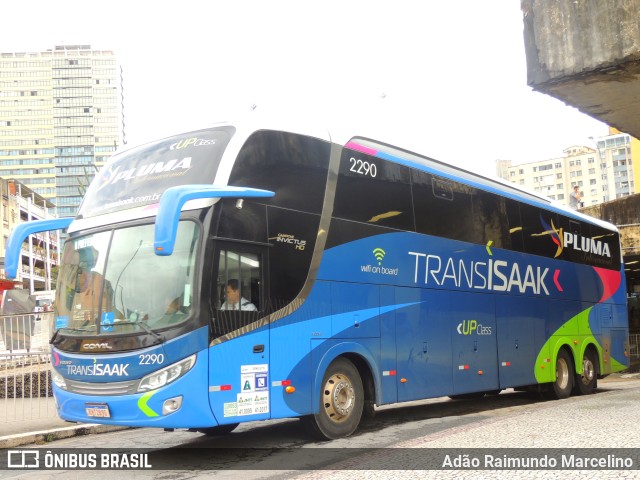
(363, 167)
(150, 359)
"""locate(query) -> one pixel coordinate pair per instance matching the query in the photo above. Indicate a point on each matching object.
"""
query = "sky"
(444, 79)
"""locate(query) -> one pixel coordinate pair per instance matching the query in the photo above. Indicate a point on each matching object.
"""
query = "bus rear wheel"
(563, 385)
(341, 402)
(587, 381)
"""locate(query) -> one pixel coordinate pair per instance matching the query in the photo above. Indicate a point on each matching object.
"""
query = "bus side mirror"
(173, 199)
(21, 232)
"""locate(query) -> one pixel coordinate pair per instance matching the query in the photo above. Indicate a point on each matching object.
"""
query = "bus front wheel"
(341, 402)
(563, 385)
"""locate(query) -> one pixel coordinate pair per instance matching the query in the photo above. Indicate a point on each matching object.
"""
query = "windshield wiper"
(143, 325)
(55, 334)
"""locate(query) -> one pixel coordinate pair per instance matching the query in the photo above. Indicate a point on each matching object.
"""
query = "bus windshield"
(113, 283)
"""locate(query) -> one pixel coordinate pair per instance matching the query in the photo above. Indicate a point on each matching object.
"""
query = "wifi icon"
(379, 254)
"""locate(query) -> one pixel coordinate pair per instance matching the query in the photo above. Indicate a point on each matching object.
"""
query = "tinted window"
(246, 223)
(570, 228)
(589, 244)
(344, 231)
(373, 191)
(514, 224)
(489, 219)
(292, 236)
(600, 238)
(539, 231)
(293, 166)
(443, 207)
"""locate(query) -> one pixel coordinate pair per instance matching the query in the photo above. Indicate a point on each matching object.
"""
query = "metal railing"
(25, 333)
(634, 346)
(25, 368)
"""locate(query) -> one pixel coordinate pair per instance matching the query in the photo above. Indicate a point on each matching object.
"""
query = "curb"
(45, 436)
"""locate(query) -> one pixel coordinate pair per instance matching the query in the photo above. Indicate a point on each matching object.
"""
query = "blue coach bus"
(235, 274)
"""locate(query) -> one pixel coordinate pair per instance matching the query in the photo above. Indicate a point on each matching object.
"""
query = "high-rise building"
(602, 173)
(60, 119)
(616, 151)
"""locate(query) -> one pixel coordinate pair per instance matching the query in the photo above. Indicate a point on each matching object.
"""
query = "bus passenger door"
(239, 357)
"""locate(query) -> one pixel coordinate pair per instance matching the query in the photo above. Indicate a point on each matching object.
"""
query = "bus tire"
(563, 385)
(341, 402)
(219, 430)
(587, 381)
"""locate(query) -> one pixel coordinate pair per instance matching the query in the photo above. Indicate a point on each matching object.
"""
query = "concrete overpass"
(587, 54)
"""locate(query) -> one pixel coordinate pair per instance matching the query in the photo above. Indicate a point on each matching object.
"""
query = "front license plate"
(100, 410)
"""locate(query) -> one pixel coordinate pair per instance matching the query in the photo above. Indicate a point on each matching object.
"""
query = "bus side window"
(238, 281)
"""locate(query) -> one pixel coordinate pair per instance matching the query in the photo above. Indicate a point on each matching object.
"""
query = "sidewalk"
(27, 421)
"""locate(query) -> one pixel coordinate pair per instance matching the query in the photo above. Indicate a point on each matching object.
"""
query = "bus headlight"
(166, 375)
(58, 380)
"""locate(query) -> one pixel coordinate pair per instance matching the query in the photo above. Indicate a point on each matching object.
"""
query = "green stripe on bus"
(142, 404)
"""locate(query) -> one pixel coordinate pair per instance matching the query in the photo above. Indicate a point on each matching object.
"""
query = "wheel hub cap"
(588, 371)
(339, 398)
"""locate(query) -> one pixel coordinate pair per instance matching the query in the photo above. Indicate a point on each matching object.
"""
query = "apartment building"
(39, 254)
(603, 172)
(60, 119)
